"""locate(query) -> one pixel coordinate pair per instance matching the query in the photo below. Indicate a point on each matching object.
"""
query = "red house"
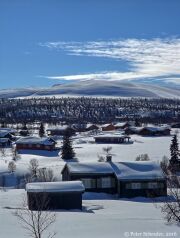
(35, 143)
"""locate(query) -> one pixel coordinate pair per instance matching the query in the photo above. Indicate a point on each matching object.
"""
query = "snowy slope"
(96, 88)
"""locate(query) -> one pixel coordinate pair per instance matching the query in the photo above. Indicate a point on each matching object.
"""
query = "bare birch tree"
(171, 205)
(36, 222)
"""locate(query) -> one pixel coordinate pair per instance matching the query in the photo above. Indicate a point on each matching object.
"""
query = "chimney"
(108, 158)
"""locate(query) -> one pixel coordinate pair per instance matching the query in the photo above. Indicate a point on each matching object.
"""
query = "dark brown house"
(148, 131)
(35, 143)
(127, 179)
(112, 139)
(61, 131)
(55, 195)
(155, 131)
(96, 177)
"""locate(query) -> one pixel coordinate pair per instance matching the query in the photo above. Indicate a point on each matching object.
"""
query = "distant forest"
(88, 110)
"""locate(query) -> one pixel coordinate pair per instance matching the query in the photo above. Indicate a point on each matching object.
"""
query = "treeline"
(88, 109)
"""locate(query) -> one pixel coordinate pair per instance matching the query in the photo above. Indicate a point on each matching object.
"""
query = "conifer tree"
(67, 151)
(41, 130)
(174, 149)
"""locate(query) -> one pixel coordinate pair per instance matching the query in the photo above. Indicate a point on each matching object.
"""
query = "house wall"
(108, 128)
(65, 200)
(114, 140)
(34, 147)
(123, 191)
(154, 133)
(96, 181)
(61, 132)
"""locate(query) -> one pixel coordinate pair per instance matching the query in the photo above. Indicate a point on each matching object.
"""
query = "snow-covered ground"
(87, 150)
(103, 216)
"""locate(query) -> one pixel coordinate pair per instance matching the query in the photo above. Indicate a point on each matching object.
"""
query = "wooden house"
(127, 179)
(61, 131)
(142, 178)
(154, 131)
(6, 136)
(112, 139)
(108, 127)
(96, 177)
(7, 133)
(55, 195)
(148, 131)
(123, 125)
(132, 130)
(91, 127)
(35, 143)
(176, 125)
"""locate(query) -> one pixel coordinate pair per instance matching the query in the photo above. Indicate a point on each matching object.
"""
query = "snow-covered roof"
(119, 124)
(4, 140)
(90, 124)
(35, 140)
(106, 125)
(111, 136)
(140, 170)
(135, 129)
(154, 129)
(4, 133)
(8, 130)
(69, 186)
(62, 128)
(90, 167)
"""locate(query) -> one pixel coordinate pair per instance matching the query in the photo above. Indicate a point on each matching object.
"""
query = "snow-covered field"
(102, 215)
(87, 150)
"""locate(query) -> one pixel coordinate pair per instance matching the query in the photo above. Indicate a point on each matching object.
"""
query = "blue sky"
(43, 41)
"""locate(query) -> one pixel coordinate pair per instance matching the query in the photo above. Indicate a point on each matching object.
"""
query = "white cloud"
(146, 58)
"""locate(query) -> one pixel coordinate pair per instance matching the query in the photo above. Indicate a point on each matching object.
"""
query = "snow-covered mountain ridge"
(96, 88)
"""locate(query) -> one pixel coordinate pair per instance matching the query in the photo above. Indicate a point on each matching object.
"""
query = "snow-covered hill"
(96, 88)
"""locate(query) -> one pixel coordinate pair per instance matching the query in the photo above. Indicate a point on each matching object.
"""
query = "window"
(155, 185)
(128, 186)
(152, 185)
(106, 182)
(133, 186)
(47, 147)
(38, 145)
(89, 183)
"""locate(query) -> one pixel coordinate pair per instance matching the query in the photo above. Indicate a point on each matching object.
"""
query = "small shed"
(96, 176)
(55, 195)
(112, 139)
